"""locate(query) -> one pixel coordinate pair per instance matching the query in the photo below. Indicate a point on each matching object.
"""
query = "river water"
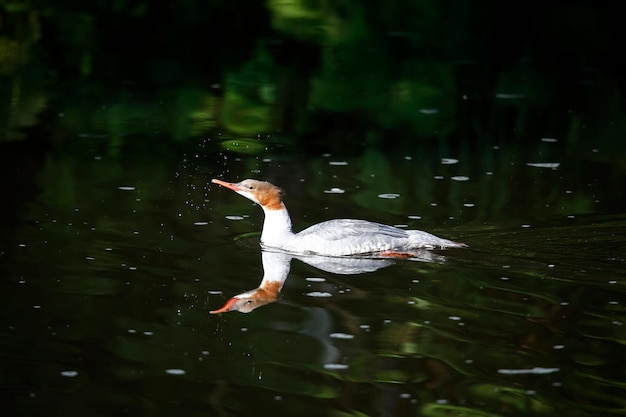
(110, 268)
(502, 129)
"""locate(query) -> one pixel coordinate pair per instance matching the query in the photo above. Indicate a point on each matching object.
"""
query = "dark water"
(503, 130)
(110, 272)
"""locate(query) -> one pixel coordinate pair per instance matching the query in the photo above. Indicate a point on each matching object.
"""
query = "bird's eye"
(249, 302)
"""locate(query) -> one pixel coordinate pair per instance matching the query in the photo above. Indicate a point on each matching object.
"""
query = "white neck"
(276, 227)
(276, 267)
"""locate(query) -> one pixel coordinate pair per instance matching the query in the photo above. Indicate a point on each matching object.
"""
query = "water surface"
(109, 277)
(498, 127)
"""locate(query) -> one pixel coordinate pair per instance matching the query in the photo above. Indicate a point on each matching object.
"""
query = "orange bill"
(227, 307)
(228, 185)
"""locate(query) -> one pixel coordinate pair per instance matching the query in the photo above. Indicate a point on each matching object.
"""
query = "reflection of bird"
(276, 266)
(341, 237)
(275, 270)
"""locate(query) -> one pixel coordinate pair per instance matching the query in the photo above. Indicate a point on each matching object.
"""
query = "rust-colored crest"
(270, 196)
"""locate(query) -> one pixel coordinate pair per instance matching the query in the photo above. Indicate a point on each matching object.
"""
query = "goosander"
(340, 237)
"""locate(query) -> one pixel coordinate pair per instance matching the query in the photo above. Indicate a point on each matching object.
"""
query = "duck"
(337, 237)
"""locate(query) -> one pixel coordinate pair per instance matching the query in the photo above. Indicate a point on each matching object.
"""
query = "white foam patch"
(335, 366)
(175, 371)
(550, 165)
(535, 370)
(320, 294)
(343, 336)
(235, 218)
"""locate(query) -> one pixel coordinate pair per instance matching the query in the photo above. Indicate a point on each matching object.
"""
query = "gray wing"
(344, 228)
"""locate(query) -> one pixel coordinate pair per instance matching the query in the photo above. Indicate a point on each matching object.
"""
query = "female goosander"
(341, 237)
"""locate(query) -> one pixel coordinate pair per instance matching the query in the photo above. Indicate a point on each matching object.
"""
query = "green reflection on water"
(114, 248)
(119, 270)
(414, 72)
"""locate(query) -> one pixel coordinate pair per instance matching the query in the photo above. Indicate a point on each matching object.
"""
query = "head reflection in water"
(248, 301)
(275, 271)
(276, 268)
